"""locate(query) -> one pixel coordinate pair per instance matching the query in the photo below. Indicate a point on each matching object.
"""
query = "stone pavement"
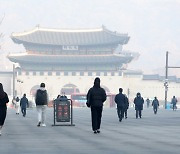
(153, 134)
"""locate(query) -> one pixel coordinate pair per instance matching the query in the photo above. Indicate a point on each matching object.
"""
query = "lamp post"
(14, 76)
(166, 78)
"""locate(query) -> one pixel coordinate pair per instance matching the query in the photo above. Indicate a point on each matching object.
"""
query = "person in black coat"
(3, 106)
(96, 96)
(24, 104)
(174, 102)
(120, 100)
(155, 104)
(138, 101)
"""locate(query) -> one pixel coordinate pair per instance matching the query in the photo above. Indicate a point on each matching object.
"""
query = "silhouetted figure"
(120, 100)
(41, 100)
(155, 104)
(148, 102)
(96, 96)
(138, 101)
(3, 106)
(24, 104)
(174, 102)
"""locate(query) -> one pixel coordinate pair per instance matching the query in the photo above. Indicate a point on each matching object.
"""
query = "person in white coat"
(17, 105)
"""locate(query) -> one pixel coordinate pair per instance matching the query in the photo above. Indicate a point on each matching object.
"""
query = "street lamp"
(166, 90)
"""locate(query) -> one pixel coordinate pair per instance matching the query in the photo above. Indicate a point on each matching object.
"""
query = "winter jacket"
(138, 101)
(155, 103)
(24, 102)
(174, 101)
(120, 100)
(3, 101)
(96, 95)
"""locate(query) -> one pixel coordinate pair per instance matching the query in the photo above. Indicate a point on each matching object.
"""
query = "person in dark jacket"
(120, 100)
(138, 101)
(3, 106)
(24, 104)
(155, 104)
(41, 100)
(96, 96)
(148, 102)
(174, 102)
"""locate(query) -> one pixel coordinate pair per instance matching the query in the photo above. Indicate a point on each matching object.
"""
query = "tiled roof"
(72, 59)
(70, 37)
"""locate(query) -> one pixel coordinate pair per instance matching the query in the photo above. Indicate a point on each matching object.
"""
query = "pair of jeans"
(138, 112)
(41, 109)
(120, 112)
(23, 110)
(155, 109)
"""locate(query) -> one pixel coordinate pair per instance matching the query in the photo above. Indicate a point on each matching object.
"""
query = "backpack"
(41, 97)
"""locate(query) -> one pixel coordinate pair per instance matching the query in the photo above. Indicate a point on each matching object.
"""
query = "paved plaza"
(153, 134)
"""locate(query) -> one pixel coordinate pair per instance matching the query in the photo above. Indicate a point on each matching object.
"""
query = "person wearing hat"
(96, 96)
(138, 101)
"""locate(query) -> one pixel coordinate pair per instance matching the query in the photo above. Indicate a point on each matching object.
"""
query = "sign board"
(63, 111)
(70, 47)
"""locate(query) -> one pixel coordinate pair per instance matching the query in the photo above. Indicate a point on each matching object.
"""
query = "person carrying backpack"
(41, 100)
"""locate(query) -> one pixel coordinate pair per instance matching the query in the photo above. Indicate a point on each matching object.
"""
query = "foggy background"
(153, 25)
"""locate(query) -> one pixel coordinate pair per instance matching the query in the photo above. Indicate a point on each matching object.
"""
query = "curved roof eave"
(66, 37)
(23, 58)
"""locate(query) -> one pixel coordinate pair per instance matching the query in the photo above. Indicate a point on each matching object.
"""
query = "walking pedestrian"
(138, 101)
(41, 100)
(17, 105)
(155, 104)
(120, 100)
(96, 96)
(174, 102)
(14, 102)
(148, 102)
(24, 104)
(3, 106)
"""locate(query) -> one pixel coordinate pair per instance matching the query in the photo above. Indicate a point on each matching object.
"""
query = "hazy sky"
(153, 25)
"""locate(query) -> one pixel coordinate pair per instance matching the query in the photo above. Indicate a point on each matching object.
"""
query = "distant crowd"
(96, 96)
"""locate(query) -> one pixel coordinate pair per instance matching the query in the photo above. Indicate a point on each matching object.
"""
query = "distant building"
(69, 60)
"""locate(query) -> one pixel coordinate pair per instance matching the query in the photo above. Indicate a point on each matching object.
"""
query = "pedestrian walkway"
(157, 134)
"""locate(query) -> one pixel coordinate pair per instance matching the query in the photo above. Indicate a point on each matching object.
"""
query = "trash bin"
(63, 112)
